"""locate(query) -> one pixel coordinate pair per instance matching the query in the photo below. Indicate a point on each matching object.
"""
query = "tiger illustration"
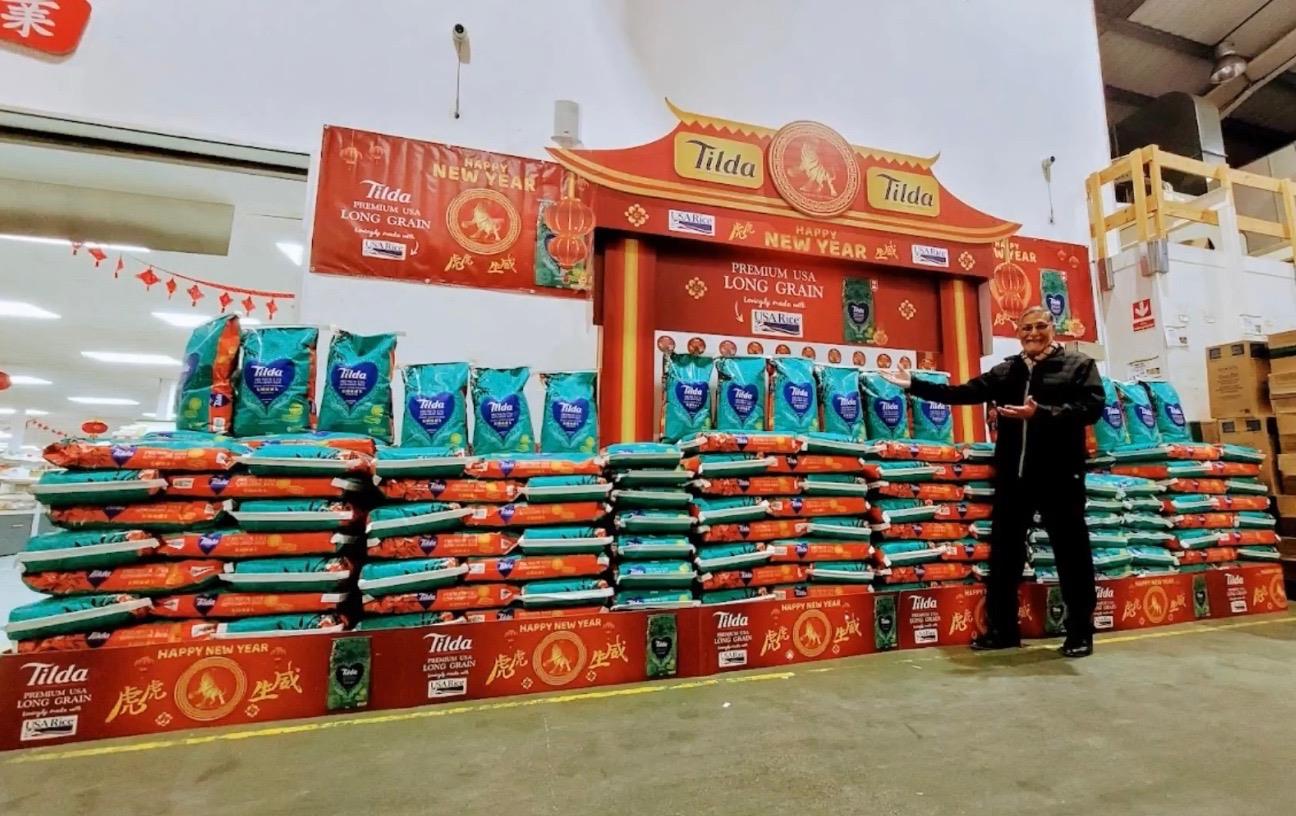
(811, 635)
(484, 226)
(209, 693)
(558, 662)
(817, 176)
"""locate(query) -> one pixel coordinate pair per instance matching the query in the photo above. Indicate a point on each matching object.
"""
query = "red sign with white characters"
(1141, 315)
(52, 26)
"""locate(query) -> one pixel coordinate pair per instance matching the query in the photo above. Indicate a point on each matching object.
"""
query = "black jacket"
(1070, 395)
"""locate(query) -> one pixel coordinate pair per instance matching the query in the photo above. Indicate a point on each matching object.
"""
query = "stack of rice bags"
(1214, 510)
(474, 537)
(107, 562)
(654, 555)
(780, 505)
(932, 498)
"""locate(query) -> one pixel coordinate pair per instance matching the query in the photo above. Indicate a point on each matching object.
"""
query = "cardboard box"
(1286, 505)
(1207, 431)
(1287, 472)
(1286, 432)
(1237, 377)
(1260, 433)
(1282, 352)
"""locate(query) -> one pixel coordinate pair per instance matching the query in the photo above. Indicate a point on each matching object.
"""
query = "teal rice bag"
(277, 383)
(89, 549)
(652, 599)
(1140, 416)
(638, 548)
(794, 406)
(886, 414)
(740, 394)
(564, 540)
(293, 515)
(565, 592)
(501, 414)
(1111, 429)
(84, 613)
(634, 455)
(655, 574)
(358, 385)
(269, 625)
(436, 405)
(555, 489)
(379, 578)
(686, 396)
(58, 488)
(1169, 411)
(839, 400)
(570, 422)
(205, 391)
(416, 518)
(739, 555)
(932, 421)
(291, 574)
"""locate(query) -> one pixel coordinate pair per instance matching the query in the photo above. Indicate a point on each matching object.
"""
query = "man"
(1045, 398)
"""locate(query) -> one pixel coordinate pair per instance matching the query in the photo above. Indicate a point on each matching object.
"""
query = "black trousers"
(1060, 500)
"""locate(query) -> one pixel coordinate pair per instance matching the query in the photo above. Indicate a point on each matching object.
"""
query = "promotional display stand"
(62, 697)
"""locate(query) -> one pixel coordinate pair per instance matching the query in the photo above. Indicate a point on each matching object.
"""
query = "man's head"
(1035, 330)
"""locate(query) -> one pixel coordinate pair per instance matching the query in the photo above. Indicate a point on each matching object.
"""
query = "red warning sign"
(1142, 315)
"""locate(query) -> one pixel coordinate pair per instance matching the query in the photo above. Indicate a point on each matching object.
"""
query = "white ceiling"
(100, 313)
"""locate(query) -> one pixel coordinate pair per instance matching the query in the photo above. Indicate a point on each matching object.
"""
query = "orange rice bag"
(245, 604)
(963, 511)
(1207, 486)
(1208, 521)
(1249, 538)
(919, 451)
(242, 544)
(560, 612)
(451, 490)
(452, 598)
(514, 568)
(104, 455)
(526, 468)
(927, 572)
(756, 577)
(151, 516)
(822, 463)
(157, 633)
(1209, 555)
(926, 531)
(247, 486)
(927, 491)
(963, 551)
(138, 579)
(723, 442)
(811, 506)
(767, 530)
(1233, 504)
(534, 515)
(751, 486)
(808, 551)
(962, 472)
(444, 545)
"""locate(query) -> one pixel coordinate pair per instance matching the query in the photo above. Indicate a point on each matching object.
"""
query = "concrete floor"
(1192, 720)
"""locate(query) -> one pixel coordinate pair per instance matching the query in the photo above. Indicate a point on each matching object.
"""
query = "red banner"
(779, 633)
(425, 212)
(1035, 272)
(1246, 591)
(943, 616)
(52, 26)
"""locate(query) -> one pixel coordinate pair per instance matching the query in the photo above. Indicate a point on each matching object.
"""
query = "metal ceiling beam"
(1122, 96)
(1155, 36)
(1117, 8)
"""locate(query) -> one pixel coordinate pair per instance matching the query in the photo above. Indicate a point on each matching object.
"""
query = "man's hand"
(1022, 412)
(898, 377)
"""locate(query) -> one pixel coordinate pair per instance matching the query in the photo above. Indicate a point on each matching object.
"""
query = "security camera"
(1047, 167)
(459, 33)
(459, 38)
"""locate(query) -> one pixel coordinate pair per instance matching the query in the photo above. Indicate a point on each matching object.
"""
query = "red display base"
(61, 697)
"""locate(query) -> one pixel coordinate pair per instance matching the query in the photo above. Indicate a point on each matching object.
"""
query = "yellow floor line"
(524, 702)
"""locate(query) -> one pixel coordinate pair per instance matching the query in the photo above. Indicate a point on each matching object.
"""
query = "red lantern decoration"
(4, 381)
(571, 216)
(567, 250)
(1011, 290)
(94, 427)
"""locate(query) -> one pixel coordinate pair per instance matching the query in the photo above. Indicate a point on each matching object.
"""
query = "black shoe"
(1077, 647)
(990, 642)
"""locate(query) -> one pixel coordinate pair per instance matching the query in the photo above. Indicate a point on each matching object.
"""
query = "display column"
(628, 311)
(961, 349)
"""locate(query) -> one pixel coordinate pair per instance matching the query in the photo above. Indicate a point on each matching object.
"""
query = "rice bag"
(729, 465)
(926, 531)
(650, 498)
(932, 421)
(1147, 521)
(1207, 521)
(358, 385)
(760, 442)
(1140, 416)
(248, 486)
(963, 511)
(426, 462)
(842, 572)
(135, 579)
(68, 487)
(768, 575)
(900, 553)
(442, 599)
(637, 548)
(1189, 503)
(436, 405)
(729, 510)
(960, 472)
(1208, 555)
(85, 550)
(501, 414)
(358, 443)
(413, 519)
(155, 516)
(740, 595)
(712, 557)
(1196, 539)
(655, 574)
(60, 616)
(155, 633)
(529, 466)
(920, 451)
(812, 550)
(652, 599)
(307, 460)
(1252, 519)
(1171, 423)
(223, 603)
(379, 578)
(276, 393)
(818, 463)
(1111, 429)
(740, 393)
(293, 515)
(565, 592)
(909, 472)
(531, 568)
(835, 444)
(570, 422)
(905, 511)
(205, 392)
(767, 530)
(1244, 538)
(886, 414)
(625, 456)
(1151, 556)
(749, 486)
(443, 545)
(969, 550)
(935, 571)
(454, 490)
(198, 454)
(686, 396)
(1241, 453)
(232, 544)
(522, 514)
(653, 522)
(555, 489)
(564, 540)
(839, 400)
(833, 484)
(306, 574)
(1258, 554)
(270, 625)
(812, 506)
(793, 405)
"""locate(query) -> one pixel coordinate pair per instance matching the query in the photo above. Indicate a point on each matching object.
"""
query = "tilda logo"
(777, 324)
(1234, 580)
(730, 620)
(1106, 593)
(267, 371)
(378, 191)
(923, 602)
(52, 674)
(924, 255)
(438, 642)
(692, 223)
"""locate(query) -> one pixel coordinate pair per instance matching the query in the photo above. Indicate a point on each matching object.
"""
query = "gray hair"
(1031, 310)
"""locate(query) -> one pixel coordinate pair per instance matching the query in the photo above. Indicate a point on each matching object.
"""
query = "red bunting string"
(47, 428)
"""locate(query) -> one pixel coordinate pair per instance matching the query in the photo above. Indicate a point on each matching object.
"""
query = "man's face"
(1035, 330)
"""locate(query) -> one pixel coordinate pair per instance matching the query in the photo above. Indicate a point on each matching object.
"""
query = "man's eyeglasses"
(1038, 327)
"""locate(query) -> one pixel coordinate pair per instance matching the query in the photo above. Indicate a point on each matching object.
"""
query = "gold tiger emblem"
(484, 226)
(208, 694)
(558, 662)
(817, 176)
(811, 636)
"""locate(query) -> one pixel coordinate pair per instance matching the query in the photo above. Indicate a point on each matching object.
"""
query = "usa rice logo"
(692, 223)
(777, 324)
(387, 250)
(924, 255)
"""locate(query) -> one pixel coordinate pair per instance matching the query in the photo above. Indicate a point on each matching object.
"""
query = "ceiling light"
(1228, 63)
(36, 412)
(293, 250)
(37, 239)
(103, 401)
(131, 358)
(5, 435)
(8, 411)
(32, 448)
(149, 415)
(189, 320)
(16, 308)
(23, 379)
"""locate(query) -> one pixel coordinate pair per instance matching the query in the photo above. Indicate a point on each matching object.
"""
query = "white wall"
(994, 86)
